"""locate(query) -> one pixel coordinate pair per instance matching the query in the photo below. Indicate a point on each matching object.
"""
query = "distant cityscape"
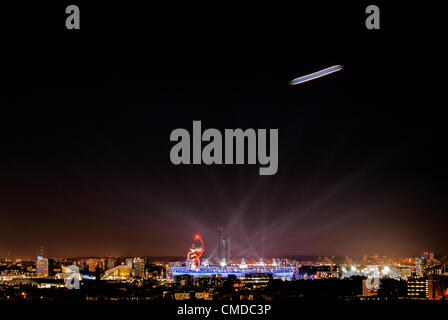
(370, 277)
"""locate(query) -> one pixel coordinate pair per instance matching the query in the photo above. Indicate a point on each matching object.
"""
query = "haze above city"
(85, 167)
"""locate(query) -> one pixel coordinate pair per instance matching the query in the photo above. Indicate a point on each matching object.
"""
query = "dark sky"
(84, 136)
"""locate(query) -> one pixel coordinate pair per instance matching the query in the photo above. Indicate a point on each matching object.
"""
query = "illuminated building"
(318, 272)
(182, 296)
(196, 272)
(117, 273)
(102, 264)
(42, 267)
(195, 269)
(92, 264)
(405, 272)
(80, 263)
(224, 248)
(437, 287)
(139, 268)
(418, 267)
(202, 296)
(418, 288)
(111, 263)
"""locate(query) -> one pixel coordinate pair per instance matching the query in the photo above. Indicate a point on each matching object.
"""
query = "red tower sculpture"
(195, 253)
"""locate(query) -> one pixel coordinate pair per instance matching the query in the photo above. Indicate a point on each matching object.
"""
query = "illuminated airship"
(315, 75)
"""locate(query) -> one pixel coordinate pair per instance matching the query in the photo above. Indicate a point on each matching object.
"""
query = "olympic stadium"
(196, 267)
(285, 273)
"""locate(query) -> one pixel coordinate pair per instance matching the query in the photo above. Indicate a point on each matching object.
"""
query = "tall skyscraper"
(418, 267)
(42, 267)
(224, 247)
(139, 268)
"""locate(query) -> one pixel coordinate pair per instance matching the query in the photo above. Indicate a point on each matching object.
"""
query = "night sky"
(84, 136)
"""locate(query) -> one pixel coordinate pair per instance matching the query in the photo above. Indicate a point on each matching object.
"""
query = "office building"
(42, 267)
(224, 248)
(418, 288)
(139, 268)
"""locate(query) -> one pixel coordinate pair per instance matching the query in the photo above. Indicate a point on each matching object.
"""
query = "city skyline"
(195, 277)
(221, 162)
